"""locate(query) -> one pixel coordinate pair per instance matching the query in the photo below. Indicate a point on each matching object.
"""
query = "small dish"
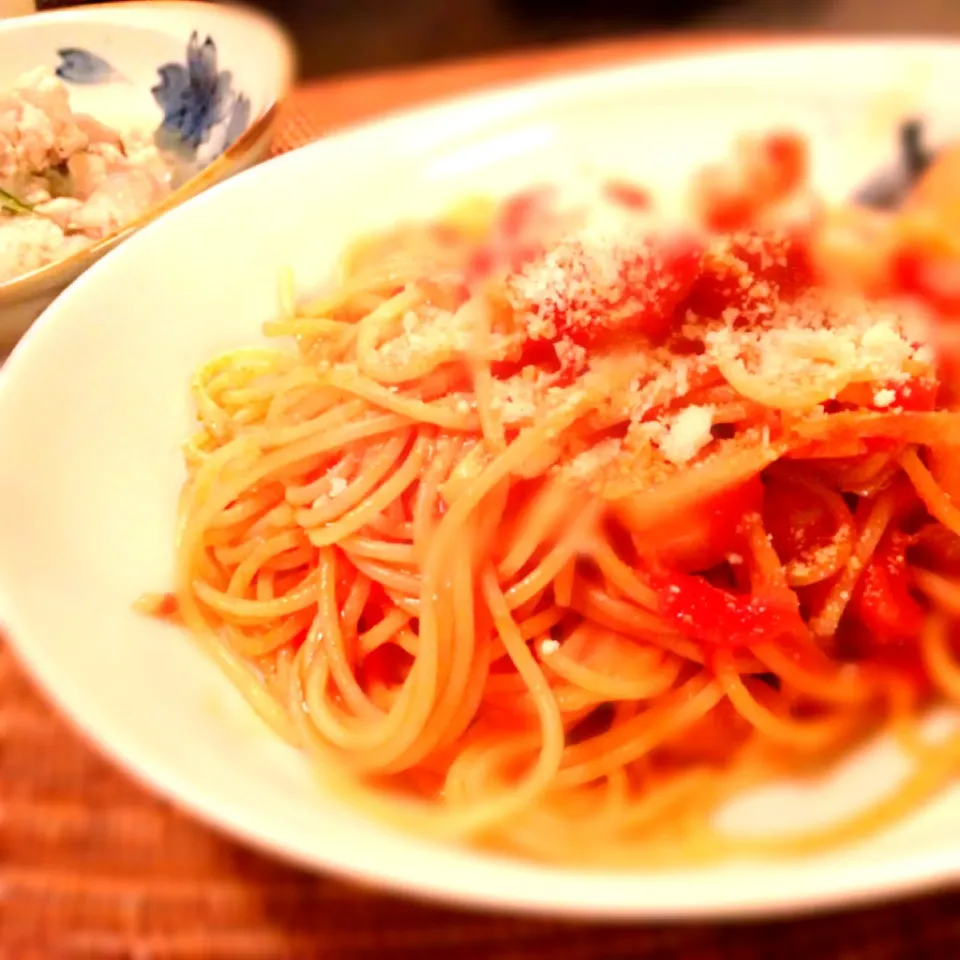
(205, 78)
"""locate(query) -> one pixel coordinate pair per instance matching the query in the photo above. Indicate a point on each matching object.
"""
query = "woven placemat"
(92, 866)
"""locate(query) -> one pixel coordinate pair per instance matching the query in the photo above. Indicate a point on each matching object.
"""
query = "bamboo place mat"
(91, 866)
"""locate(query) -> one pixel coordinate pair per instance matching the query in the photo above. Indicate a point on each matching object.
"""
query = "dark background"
(339, 36)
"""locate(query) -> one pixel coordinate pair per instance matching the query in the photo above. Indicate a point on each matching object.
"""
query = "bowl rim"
(848, 884)
(52, 275)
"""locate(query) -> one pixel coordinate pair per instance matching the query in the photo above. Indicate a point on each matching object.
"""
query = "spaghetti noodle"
(554, 548)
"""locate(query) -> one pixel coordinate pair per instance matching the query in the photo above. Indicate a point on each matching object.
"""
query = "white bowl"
(94, 405)
(122, 63)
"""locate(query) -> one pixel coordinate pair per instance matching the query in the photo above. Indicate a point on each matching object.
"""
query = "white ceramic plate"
(94, 405)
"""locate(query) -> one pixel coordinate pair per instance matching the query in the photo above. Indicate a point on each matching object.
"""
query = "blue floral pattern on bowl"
(197, 98)
(83, 67)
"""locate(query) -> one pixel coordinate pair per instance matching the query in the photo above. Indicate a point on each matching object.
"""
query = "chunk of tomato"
(717, 617)
(627, 195)
(782, 163)
(763, 172)
(933, 279)
(751, 273)
(883, 601)
(705, 535)
(517, 234)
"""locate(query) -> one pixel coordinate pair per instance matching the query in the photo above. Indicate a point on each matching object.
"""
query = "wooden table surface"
(326, 105)
(92, 866)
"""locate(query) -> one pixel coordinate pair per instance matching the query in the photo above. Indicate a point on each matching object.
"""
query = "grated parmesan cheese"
(595, 282)
(515, 399)
(598, 457)
(687, 434)
(431, 332)
(817, 341)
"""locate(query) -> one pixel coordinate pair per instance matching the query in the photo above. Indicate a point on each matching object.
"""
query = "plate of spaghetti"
(548, 501)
